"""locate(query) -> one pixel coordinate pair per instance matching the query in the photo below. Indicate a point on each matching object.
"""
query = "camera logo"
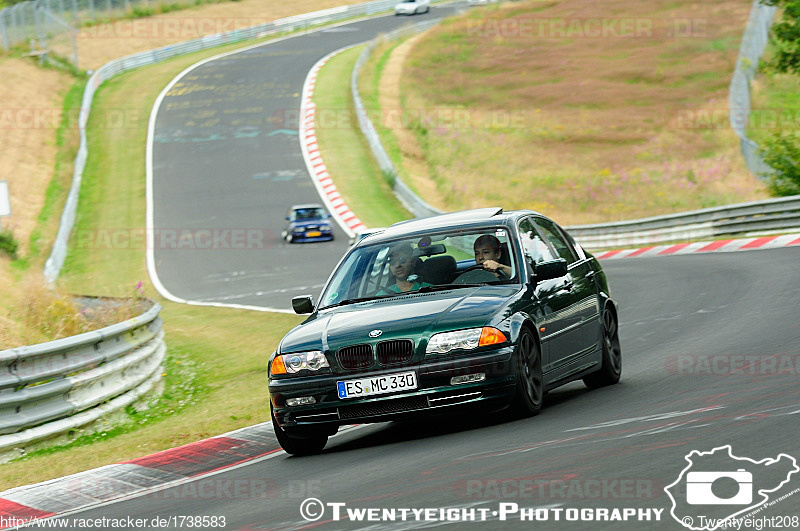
(699, 488)
(716, 487)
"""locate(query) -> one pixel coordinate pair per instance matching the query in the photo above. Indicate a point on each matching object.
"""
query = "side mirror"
(303, 304)
(550, 270)
(287, 218)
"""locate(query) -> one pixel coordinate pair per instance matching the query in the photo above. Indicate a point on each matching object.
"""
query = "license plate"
(377, 385)
(313, 234)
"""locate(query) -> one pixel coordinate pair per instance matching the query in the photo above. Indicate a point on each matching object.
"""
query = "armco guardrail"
(53, 387)
(780, 214)
(407, 197)
(112, 68)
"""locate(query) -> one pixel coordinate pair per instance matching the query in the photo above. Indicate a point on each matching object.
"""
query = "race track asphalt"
(711, 348)
(227, 165)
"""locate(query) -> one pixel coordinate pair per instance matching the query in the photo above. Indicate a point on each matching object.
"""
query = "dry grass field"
(586, 112)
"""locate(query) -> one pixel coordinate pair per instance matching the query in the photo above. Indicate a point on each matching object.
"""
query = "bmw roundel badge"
(375, 333)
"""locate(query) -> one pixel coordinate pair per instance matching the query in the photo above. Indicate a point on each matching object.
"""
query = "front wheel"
(529, 395)
(611, 369)
(306, 445)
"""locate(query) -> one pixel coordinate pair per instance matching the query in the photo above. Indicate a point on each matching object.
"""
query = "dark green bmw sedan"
(457, 310)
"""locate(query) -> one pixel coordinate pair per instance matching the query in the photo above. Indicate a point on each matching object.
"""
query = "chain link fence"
(754, 42)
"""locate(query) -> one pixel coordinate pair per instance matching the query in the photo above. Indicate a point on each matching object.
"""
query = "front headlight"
(468, 339)
(298, 361)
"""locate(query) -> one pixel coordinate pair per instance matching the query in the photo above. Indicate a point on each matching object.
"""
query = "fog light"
(302, 401)
(468, 378)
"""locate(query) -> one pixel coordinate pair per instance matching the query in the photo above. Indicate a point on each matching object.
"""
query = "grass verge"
(215, 368)
(68, 141)
(345, 151)
(368, 84)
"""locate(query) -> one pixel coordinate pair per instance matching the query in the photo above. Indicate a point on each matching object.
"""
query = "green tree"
(782, 153)
(786, 36)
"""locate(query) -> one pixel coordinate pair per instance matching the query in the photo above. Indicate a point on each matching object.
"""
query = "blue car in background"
(308, 223)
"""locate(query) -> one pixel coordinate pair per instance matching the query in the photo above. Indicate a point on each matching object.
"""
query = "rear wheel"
(611, 370)
(310, 444)
(530, 383)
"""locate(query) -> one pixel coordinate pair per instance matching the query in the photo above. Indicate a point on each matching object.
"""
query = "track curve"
(226, 166)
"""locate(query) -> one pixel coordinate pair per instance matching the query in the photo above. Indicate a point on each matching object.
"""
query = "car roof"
(464, 219)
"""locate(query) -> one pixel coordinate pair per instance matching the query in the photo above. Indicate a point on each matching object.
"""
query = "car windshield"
(444, 260)
(299, 214)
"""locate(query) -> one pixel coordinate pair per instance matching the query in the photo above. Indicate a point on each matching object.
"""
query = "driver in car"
(401, 265)
(488, 254)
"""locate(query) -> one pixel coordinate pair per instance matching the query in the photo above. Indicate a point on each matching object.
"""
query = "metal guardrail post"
(3, 32)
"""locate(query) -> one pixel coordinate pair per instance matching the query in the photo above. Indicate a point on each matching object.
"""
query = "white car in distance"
(412, 7)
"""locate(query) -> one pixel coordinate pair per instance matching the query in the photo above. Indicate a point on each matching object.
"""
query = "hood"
(416, 316)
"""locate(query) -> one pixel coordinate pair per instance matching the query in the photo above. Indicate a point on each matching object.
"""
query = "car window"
(306, 213)
(432, 260)
(557, 240)
(533, 246)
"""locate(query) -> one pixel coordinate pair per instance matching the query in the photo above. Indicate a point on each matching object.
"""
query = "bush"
(9, 244)
(142, 11)
(50, 314)
(782, 153)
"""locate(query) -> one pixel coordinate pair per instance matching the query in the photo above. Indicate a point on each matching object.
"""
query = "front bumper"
(433, 394)
(303, 238)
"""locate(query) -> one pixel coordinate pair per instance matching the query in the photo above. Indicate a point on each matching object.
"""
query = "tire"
(529, 394)
(307, 445)
(611, 370)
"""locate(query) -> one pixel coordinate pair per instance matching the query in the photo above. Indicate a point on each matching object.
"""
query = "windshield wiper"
(443, 287)
(351, 301)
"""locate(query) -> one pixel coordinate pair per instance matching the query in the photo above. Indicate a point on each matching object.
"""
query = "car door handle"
(567, 286)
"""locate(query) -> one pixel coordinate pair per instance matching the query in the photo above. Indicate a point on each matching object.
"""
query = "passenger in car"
(401, 265)
(489, 254)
